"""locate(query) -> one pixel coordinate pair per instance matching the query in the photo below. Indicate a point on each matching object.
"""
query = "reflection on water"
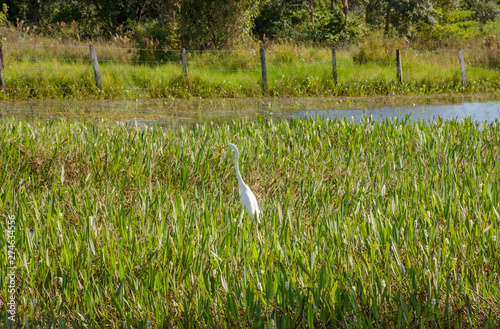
(481, 112)
(174, 112)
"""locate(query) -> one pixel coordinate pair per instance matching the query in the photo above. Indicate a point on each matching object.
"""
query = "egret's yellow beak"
(220, 148)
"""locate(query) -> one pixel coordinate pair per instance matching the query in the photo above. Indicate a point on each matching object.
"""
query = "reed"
(365, 225)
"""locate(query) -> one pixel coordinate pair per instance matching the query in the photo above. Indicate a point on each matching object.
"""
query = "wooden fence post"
(399, 68)
(2, 67)
(184, 63)
(184, 66)
(95, 65)
(462, 67)
(264, 69)
(334, 65)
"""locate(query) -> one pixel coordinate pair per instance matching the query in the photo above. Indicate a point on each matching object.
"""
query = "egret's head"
(231, 146)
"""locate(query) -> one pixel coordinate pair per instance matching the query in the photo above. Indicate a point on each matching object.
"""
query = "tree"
(484, 10)
(447, 4)
(402, 15)
(214, 23)
(94, 18)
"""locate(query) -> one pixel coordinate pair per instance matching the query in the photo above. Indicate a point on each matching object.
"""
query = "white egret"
(248, 200)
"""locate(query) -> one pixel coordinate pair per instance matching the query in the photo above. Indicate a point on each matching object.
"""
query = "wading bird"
(248, 200)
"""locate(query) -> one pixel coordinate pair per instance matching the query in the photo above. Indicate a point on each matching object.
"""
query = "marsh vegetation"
(389, 224)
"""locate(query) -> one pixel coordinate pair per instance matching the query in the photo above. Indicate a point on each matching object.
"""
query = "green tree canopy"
(201, 24)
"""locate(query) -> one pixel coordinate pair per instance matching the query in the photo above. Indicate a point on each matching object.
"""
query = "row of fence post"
(97, 72)
(399, 67)
(263, 66)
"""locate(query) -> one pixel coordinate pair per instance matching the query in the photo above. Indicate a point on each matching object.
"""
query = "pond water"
(481, 112)
(482, 108)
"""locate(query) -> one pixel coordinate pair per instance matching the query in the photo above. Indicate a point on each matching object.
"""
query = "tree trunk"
(332, 4)
(387, 19)
(37, 10)
(311, 11)
(138, 12)
(345, 3)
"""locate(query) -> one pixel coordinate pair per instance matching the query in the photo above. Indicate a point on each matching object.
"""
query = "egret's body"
(248, 200)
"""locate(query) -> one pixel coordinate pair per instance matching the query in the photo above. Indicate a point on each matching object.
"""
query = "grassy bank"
(65, 72)
(391, 224)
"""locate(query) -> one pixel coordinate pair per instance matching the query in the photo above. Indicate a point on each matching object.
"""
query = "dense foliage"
(222, 24)
(365, 225)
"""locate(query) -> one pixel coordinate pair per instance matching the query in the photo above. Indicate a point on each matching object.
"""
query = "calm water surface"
(481, 112)
(175, 112)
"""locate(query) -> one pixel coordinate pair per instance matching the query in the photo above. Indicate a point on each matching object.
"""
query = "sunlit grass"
(292, 72)
(391, 224)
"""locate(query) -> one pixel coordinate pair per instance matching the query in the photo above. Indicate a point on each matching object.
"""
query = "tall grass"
(65, 72)
(365, 225)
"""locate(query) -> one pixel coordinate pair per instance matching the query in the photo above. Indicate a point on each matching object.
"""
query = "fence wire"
(220, 65)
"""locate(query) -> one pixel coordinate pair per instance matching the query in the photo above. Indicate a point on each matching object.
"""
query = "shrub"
(328, 26)
(492, 50)
(378, 48)
(154, 40)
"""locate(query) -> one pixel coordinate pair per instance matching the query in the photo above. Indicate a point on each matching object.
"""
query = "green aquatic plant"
(366, 224)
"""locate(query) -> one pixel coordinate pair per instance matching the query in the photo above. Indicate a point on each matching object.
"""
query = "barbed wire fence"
(228, 65)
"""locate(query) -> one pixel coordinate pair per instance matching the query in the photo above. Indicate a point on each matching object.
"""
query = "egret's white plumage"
(248, 200)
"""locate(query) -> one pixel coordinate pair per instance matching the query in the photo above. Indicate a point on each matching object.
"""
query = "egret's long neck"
(238, 175)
